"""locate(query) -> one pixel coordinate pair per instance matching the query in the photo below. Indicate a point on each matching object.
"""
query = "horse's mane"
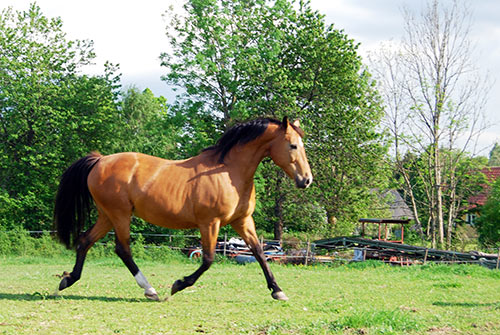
(240, 133)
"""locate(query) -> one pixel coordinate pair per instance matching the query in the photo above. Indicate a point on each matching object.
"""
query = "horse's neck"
(245, 159)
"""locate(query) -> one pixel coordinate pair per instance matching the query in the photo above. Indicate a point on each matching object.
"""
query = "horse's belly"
(168, 213)
(186, 212)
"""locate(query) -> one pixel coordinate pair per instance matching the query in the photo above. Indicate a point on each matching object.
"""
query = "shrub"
(488, 224)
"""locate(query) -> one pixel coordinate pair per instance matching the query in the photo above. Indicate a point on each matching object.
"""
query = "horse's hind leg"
(123, 251)
(85, 241)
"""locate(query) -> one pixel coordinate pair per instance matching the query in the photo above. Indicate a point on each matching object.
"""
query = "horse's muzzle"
(303, 182)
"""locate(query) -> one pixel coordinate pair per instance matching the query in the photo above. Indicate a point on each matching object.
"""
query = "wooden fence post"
(425, 256)
(225, 243)
(307, 251)
(498, 258)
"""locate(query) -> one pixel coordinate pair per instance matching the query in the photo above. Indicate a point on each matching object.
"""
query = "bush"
(9, 211)
(488, 224)
(20, 243)
(5, 243)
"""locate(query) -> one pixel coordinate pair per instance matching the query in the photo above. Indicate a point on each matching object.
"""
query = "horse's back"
(116, 169)
(111, 179)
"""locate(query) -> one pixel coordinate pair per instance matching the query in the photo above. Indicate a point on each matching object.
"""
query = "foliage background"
(232, 61)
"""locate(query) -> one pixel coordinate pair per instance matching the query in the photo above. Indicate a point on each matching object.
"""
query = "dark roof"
(398, 207)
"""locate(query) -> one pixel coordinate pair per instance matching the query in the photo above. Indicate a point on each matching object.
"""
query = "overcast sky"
(132, 34)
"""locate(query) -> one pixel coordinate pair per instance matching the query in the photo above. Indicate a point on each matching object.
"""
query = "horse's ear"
(296, 126)
(285, 124)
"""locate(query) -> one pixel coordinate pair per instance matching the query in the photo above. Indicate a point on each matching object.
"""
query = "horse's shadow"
(37, 296)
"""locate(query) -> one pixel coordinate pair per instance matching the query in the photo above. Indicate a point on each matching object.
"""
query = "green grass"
(366, 298)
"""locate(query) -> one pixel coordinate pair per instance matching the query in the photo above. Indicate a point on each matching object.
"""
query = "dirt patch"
(442, 331)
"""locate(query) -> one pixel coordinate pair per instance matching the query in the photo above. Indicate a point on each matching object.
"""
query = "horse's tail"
(73, 200)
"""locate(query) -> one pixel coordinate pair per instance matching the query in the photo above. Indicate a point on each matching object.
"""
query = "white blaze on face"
(301, 144)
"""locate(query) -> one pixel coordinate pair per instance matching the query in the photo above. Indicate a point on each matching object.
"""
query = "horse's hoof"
(279, 296)
(64, 283)
(176, 287)
(153, 296)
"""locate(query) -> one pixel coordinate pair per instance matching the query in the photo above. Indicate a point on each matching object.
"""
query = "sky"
(132, 34)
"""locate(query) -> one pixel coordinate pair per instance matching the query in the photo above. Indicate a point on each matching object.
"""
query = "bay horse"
(206, 192)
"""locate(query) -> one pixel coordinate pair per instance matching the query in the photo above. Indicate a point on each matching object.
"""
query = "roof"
(492, 173)
(398, 207)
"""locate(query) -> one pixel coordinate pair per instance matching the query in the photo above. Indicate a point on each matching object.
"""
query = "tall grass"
(21, 244)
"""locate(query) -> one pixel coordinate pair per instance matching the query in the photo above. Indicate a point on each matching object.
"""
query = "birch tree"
(434, 98)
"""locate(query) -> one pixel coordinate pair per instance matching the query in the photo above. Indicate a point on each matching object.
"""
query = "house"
(398, 208)
(476, 201)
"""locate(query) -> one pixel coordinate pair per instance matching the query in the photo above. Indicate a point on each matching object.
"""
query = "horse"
(207, 192)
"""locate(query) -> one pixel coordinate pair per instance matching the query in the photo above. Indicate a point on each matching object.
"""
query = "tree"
(488, 224)
(49, 114)
(434, 101)
(494, 156)
(147, 126)
(241, 59)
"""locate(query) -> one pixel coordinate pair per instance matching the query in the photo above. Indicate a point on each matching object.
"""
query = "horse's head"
(288, 152)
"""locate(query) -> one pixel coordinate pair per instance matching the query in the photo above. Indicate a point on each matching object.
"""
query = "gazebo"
(385, 223)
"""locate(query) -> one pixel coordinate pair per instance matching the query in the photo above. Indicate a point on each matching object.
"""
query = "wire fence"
(299, 252)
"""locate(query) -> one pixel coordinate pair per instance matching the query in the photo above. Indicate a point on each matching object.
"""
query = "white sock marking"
(143, 282)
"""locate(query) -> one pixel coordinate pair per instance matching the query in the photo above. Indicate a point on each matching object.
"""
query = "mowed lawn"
(233, 299)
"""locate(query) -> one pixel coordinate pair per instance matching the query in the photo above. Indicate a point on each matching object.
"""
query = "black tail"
(73, 200)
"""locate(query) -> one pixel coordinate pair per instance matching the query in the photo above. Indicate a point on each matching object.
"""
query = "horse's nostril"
(308, 181)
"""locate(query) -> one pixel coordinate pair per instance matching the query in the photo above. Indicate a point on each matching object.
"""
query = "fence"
(300, 252)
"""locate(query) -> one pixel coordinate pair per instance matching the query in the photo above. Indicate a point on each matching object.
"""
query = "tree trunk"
(451, 210)
(433, 229)
(438, 216)
(413, 201)
(439, 208)
(450, 225)
(278, 230)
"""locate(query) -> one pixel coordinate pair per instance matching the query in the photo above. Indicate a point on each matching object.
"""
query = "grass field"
(233, 299)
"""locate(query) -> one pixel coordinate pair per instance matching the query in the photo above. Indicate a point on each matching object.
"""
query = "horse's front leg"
(209, 234)
(246, 229)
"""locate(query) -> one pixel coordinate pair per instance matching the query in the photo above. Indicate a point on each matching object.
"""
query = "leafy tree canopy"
(494, 156)
(49, 114)
(241, 59)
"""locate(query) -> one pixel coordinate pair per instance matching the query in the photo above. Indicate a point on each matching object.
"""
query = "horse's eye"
(293, 146)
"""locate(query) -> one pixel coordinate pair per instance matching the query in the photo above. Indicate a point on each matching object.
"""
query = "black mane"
(241, 133)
